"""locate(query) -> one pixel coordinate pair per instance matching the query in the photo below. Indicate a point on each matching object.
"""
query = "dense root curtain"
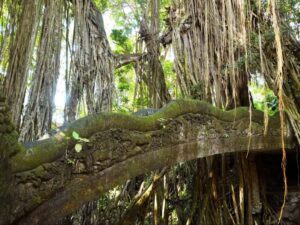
(209, 42)
(38, 114)
(91, 72)
(154, 74)
(20, 57)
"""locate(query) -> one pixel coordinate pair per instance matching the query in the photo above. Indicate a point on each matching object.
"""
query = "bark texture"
(209, 42)
(51, 180)
(8, 147)
(20, 56)
(154, 77)
(38, 115)
(91, 64)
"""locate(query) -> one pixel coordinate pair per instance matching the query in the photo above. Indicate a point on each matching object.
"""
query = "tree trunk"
(20, 58)
(155, 79)
(38, 116)
(91, 64)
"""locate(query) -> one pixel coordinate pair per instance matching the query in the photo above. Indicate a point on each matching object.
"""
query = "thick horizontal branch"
(49, 150)
(124, 146)
(122, 60)
(88, 188)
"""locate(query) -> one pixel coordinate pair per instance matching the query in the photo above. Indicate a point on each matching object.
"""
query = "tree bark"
(92, 62)
(20, 56)
(51, 180)
(155, 79)
(38, 116)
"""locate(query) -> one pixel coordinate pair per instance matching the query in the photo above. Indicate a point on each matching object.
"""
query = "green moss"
(40, 171)
(9, 144)
(51, 149)
(37, 200)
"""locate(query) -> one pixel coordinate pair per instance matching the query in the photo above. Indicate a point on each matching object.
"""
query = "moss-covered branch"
(53, 148)
(52, 180)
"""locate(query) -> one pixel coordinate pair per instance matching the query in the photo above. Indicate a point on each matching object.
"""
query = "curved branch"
(49, 150)
(124, 146)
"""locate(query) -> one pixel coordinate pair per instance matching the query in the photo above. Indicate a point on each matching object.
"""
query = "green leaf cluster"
(80, 141)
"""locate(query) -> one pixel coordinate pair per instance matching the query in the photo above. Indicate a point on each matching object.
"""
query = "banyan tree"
(200, 151)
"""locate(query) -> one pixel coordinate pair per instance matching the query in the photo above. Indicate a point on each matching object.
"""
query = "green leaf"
(78, 148)
(75, 135)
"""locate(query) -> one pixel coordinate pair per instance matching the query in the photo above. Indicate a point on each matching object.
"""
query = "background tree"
(20, 56)
(38, 115)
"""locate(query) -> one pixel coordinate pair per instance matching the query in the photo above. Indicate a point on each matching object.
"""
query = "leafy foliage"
(264, 96)
(123, 43)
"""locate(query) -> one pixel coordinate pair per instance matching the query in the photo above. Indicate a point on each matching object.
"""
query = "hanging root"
(279, 83)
